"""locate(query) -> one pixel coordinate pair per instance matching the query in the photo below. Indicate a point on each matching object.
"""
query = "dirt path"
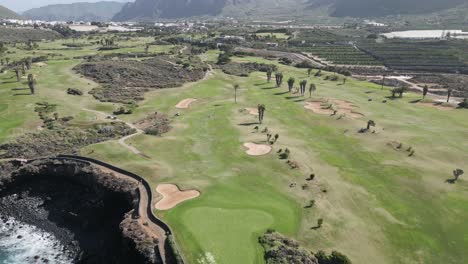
(415, 87)
(123, 140)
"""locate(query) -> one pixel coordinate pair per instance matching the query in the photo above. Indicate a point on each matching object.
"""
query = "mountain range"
(100, 11)
(150, 10)
(7, 13)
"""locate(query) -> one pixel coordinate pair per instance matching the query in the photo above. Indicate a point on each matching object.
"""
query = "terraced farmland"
(341, 55)
(436, 56)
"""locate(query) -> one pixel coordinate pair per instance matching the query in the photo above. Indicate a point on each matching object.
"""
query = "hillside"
(7, 13)
(376, 8)
(100, 11)
(279, 9)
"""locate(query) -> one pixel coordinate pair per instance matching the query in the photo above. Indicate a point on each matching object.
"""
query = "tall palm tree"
(383, 80)
(32, 83)
(425, 91)
(449, 94)
(28, 63)
(261, 112)
(312, 88)
(291, 82)
(236, 87)
(269, 73)
(17, 72)
(279, 79)
(303, 85)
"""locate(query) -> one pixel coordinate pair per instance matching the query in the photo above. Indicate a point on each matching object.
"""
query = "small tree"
(303, 85)
(425, 91)
(236, 87)
(457, 173)
(312, 88)
(344, 80)
(309, 72)
(291, 82)
(269, 73)
(449, 94)
(279, 79)
(17, 72)
(370, 124)
(261, 112)
(32, 83)
(319, 222)
(28, 63)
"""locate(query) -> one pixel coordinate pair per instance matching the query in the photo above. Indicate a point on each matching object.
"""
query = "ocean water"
(21, 243)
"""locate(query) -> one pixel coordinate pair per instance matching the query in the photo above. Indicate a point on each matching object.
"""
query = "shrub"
(74, 91)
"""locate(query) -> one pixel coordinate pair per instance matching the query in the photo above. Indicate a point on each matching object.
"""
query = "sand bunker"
(252, 111)
(184, 104)
(342, 107)
(172, 196)
(40, 64)
(257, 149)
(318, 107)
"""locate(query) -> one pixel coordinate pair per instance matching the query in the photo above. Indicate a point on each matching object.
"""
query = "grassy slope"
(381, 206)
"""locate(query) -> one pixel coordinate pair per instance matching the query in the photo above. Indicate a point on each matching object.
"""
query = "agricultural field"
(436, 56)
(382, 193)
(341, 55)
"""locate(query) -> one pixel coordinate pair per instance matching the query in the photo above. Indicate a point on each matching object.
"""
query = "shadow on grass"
(18, 94)
(269, 88)
(248, 124)
(19, 89)
(283, 93)
(299, 101)
(293, 97)
(415, 101)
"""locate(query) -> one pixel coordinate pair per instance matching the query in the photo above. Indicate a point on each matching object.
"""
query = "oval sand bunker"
(184, 104)
(257, 149)
(172, 196)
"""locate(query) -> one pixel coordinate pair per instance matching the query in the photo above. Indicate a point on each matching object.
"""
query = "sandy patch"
(257, 149)
(317, 107)
(172, 196)
(342, 107)
(184, 104)
(438, 106)
(40, 64)
(252, 111)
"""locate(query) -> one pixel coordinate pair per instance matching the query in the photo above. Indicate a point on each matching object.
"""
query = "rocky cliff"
(88, 210)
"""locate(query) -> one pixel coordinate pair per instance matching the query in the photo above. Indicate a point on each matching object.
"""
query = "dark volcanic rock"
(88, 210)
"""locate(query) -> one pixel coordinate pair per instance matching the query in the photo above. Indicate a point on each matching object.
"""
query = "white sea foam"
(22, 243)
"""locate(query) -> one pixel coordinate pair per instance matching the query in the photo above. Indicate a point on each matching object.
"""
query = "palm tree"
(269, 73)
(261, 112)
(309, 72)
(383, 80)
(425, 91)
(312, 88)
(279, 79)
(370, 124)
(344, 80)
(32, 83)
(28, 63)
(449, 94)
(17, 72)
(236, 87)
(457, 173)
(7, 61)
(291, 82)
(303, 85)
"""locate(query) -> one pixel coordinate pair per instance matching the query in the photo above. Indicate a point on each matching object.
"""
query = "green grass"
(380, 205)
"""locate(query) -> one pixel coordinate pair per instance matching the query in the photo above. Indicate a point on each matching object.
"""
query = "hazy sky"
(23, 5)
